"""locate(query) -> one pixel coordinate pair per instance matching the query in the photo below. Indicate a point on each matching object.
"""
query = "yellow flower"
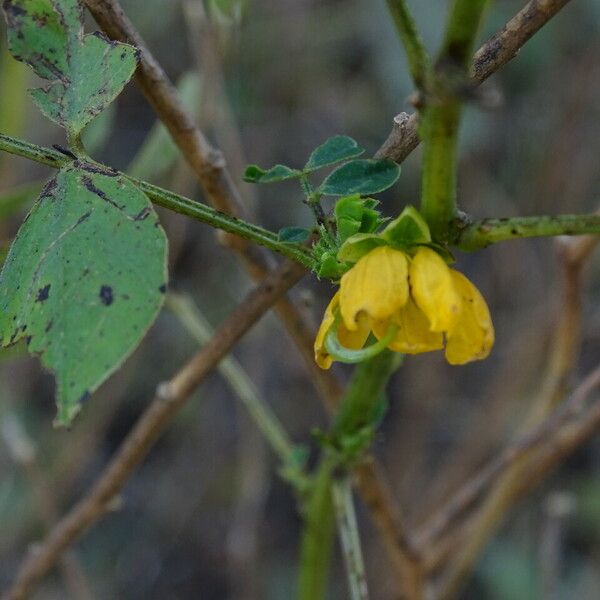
(411, 304)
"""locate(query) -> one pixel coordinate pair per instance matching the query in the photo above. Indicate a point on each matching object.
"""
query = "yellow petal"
(353, 340)
(376, 286)
(433, 289)
(472, 337)
(414, 334)
(322, 358)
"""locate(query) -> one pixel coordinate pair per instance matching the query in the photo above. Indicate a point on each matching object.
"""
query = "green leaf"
(355, 247)
(86, 73)
(84, 279)
(334, 150)
(408, 229)
(294, 235)
(254, 174)
(361, 177)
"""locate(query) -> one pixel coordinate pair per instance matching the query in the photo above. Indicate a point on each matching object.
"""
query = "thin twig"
(562, 358)
(495, 53)
(24, 453)
(169, 398)
(536, 440)
(264, 418)
(343, 504)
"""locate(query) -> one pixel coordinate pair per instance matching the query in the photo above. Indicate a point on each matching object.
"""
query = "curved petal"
(433, 289)
(322, 358)
(349, 339)
(414, 334)
(376, 286)
(472, 337)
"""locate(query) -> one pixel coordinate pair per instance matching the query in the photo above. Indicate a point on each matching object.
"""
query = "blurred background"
(207, 516)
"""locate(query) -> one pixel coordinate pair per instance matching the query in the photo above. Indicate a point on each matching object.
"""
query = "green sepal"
(356, 246)
(330, 267)
(354, 214)
(361, 176)
(254, 174)
(408, 229)
(294, 235)
(334, 150)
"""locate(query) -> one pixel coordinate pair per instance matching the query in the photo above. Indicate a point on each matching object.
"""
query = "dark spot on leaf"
(106, 295)
(96, 169)
(43, 293)
(143, 214)
(84, 217)
(163, 288)
(90, 187)
(48, 189)
(49, 326)
(23, 327)
(84, 397)
(12, 10)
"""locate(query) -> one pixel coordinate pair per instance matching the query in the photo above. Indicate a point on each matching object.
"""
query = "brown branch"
(209, 166)
(572, 257)
(170, 397)
(495, 53)
(540, 439)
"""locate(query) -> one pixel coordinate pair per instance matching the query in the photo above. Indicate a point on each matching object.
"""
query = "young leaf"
(84, 279)
(361, 177)
(294, 235)
(86, 73)
(335, 149)
(254, 174)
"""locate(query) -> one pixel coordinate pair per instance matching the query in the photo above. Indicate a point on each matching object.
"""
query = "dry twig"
(169, 398)
(495, 53)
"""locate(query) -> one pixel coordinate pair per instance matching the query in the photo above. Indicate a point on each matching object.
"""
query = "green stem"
(317, 534)
(440, 118)
(349, 537)
(174, 202)
(490, 231)
(418, 59)
(364, 395)
(358, 411)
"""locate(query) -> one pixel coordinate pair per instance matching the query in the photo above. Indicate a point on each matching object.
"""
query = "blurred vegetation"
(206, 516)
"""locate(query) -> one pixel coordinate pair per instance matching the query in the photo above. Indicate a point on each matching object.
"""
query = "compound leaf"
(86, 73)
(84, 279)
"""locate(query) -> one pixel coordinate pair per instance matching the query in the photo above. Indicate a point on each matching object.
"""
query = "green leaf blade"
(84, 280)
(254, 174)
(85, 73)
(361, 177)
(294, 235)
(334, 150)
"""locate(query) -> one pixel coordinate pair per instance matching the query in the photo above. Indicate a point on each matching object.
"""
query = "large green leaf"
(84, 279)
(334, 150)
(86, 73)
(361, 177)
